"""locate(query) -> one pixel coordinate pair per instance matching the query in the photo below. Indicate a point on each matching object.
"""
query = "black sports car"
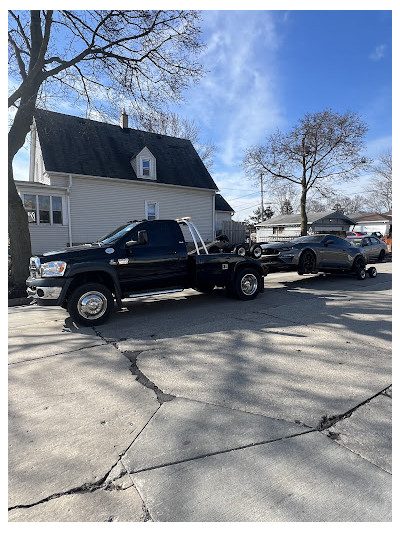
(316, 253)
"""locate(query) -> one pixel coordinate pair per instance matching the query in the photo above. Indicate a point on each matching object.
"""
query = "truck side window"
(163, 233)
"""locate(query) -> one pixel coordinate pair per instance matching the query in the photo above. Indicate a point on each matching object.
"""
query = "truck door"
(158, 264)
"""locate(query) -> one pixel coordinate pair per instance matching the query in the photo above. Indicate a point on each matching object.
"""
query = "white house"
(87, 178)
(370, 222)
(286, 227)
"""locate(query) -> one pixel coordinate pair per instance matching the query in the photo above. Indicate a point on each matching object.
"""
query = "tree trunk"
(18, 225)
(18, 232)
(303, 211)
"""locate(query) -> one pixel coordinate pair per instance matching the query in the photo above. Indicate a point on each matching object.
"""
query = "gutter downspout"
(69, 210)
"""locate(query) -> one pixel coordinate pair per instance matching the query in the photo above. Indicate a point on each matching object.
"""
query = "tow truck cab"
(139, 258)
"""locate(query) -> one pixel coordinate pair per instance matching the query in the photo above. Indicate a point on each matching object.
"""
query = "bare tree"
(322, 147)
(146, 57)
(380, 186)
(285, 198)
(176, 126)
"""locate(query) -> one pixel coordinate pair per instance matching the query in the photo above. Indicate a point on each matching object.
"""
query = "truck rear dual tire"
(90, 304)
(247, 284)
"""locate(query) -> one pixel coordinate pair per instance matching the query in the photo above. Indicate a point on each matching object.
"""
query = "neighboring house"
(87, 178)
(286, 227)
(223, 213)
(370, 222)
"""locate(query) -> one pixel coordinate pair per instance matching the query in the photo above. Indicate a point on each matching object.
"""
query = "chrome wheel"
(92, 305)
(249, 284)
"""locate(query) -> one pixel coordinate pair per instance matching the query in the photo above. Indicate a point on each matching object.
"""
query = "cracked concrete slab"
(37, 315)
(183, 429)
(308, 478)
(35, 341)
(98, 506)
(70, 417)
(291, 373)
(368, 431)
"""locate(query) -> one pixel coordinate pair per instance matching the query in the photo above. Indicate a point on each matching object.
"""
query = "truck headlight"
(52, 269)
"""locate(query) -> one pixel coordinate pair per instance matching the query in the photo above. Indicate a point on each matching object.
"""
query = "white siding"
(59, 181)
(264, 234)
(220, 216)
(100, 205)
(369, 227)
(48, 238)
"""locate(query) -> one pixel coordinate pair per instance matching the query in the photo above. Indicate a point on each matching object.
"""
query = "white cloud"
(377, 146)
(378, 53)
(241, 87)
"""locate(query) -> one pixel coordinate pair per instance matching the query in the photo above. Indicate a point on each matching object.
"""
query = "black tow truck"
(140, 258)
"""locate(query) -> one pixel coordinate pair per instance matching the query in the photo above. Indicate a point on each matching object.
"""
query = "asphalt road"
(192, 407)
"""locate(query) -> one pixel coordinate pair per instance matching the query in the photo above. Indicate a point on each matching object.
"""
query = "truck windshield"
(113, 237)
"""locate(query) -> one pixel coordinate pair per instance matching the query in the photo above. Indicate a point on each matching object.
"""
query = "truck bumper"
(47, 291)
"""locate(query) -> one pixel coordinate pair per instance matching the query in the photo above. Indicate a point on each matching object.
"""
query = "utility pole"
(262, 197)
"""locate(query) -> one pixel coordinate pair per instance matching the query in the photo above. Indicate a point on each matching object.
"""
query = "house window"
(151, 210)
(43, 209)
(277, 230)
(56, 209)
(30, 206)
(146, 167)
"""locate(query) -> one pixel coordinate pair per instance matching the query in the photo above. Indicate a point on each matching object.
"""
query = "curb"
(18, 301)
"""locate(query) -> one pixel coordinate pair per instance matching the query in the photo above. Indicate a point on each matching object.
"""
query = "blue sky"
(266, 69)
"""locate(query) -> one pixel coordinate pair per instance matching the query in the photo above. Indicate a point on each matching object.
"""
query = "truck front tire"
(90, 304)
(247, 284)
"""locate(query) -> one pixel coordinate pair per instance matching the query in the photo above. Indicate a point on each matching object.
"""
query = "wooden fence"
(235, 231)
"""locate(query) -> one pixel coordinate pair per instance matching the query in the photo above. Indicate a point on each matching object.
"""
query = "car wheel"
(361, 273)
(256, 251)
(90, 304)
(372, 272)
(247, 284)
(381, 256)
(240, 249)
(307, 262)
(359, 263)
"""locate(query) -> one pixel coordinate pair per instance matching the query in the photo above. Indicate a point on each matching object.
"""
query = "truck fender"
(82, 268)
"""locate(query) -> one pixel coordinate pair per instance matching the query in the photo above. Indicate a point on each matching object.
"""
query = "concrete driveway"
(192, 407)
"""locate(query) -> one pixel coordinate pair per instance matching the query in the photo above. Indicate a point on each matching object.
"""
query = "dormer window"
(146, 167)
(144, 164)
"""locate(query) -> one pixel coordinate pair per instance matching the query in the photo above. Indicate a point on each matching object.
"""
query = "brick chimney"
(123, 121)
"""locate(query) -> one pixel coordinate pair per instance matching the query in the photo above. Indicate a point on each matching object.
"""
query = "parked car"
(373, 247)
(316, 253)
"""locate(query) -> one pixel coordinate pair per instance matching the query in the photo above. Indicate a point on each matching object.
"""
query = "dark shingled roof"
(75, 145)
(222, 205)
(295, 219)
